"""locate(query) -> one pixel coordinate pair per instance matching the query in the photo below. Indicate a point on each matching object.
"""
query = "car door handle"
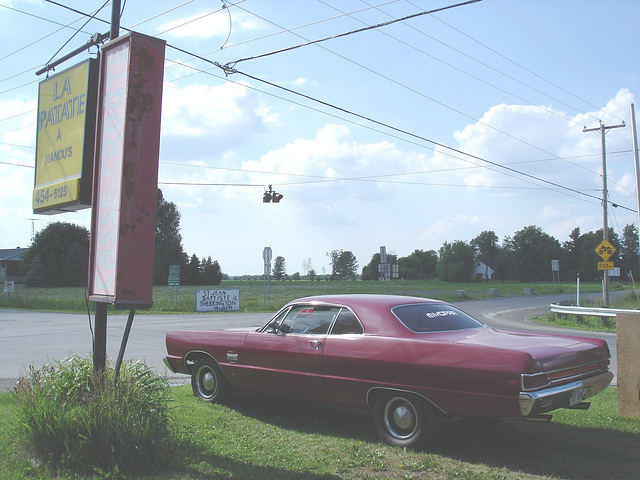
(317, 344)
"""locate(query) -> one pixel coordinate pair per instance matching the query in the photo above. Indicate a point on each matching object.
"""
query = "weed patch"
(73, 419)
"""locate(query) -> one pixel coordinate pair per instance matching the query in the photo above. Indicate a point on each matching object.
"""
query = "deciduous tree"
(629, 261)
(343, 264)
(279, 268)
(530, 252)
(168, 245)
(486, 249)
(456, 262)
(64, 249)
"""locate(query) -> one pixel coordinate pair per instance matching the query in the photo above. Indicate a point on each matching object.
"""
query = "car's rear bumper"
(169, 362)
(570, 395)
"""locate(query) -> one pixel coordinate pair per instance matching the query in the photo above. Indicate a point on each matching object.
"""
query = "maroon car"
(411, 361)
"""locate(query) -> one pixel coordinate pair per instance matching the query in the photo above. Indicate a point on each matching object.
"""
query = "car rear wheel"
(208, 382)
(405, 420)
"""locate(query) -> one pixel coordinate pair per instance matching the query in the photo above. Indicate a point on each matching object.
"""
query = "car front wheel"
(208, 382)
(405, 420)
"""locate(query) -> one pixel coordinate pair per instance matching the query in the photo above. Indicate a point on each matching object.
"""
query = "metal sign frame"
(126, 175)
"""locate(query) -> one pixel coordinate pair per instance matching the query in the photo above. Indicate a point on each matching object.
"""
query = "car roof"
(374, 311)
(356, 300)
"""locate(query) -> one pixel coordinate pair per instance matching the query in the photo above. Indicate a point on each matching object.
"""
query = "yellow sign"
(56, 194)
(605, 250)
(605, 265)
(63, 105)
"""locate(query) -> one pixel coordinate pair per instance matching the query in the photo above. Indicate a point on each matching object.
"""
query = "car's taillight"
(532, 381)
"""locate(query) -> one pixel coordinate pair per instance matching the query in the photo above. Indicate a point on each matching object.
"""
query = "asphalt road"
(37, 338)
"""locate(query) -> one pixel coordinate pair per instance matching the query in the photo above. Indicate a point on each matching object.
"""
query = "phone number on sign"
(48, 194)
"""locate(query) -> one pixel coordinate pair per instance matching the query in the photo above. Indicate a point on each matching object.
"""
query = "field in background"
(254, 298)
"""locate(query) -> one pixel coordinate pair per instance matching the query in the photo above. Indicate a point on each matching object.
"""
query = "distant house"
(10, 264)
(481, 271)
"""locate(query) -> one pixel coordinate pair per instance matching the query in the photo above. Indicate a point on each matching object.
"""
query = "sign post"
(9, 286)
(604, 251)
(125, 180)
(173, 281)
(266, 257)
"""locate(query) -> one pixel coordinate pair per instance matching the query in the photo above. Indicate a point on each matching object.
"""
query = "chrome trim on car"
(169, 365)
(189, 361)
(562, 396)
(556, 381)
(392, 389)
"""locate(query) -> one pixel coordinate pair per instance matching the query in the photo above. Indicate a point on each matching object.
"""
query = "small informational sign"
(605, 265)
(266, 256)
(218, 300)
(8, 287)
(65, 140)
(174, 275)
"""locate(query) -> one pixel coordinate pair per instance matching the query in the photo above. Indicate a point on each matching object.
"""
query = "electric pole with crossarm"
(605, 223)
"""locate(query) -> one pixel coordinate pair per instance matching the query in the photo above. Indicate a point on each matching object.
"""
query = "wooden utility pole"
(605, 202)
(637, 160)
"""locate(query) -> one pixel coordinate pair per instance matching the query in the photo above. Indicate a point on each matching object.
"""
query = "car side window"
(309, 319)
(346, 323)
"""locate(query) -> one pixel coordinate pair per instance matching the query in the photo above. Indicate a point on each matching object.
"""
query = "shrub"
(81, 421)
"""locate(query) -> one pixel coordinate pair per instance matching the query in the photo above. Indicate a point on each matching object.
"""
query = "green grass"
(630, 301)
(71, 417)
(266, 438)
(253, 298)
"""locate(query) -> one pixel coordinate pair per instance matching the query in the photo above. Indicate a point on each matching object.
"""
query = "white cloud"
(199, 119)
(207, 25)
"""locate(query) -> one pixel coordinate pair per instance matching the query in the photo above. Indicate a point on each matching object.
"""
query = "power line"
(228, 70)
(78, 30)
(405, 132)
(493, 164)
(352, 32)
(520, 66)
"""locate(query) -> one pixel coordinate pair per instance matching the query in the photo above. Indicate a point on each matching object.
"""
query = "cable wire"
(352, 32)
(77, 31)
(227, 70)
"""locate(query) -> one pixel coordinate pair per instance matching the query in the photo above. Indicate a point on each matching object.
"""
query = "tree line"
(524, 256)
(59, 254)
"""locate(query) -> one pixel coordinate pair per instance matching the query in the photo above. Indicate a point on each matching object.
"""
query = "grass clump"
(74, 419)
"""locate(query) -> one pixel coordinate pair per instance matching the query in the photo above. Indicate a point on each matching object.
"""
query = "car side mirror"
(273, 327)
(284, 328)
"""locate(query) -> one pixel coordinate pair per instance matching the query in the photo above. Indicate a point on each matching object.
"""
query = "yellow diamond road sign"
(605, 250)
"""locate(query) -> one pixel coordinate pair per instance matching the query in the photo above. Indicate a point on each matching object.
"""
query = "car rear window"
(425, 317)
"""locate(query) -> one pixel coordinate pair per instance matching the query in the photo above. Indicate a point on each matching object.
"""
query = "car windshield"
(434, 317)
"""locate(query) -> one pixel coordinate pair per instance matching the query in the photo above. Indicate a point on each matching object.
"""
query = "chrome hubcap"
(208, 381)
(403, 417)
(400, 418)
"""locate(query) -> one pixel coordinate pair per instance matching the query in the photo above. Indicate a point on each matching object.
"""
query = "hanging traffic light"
(271, 196)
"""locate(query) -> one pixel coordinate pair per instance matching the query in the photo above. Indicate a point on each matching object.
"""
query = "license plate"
(576, 397)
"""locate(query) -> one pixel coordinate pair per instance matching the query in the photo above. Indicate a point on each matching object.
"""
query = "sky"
(427, 130)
